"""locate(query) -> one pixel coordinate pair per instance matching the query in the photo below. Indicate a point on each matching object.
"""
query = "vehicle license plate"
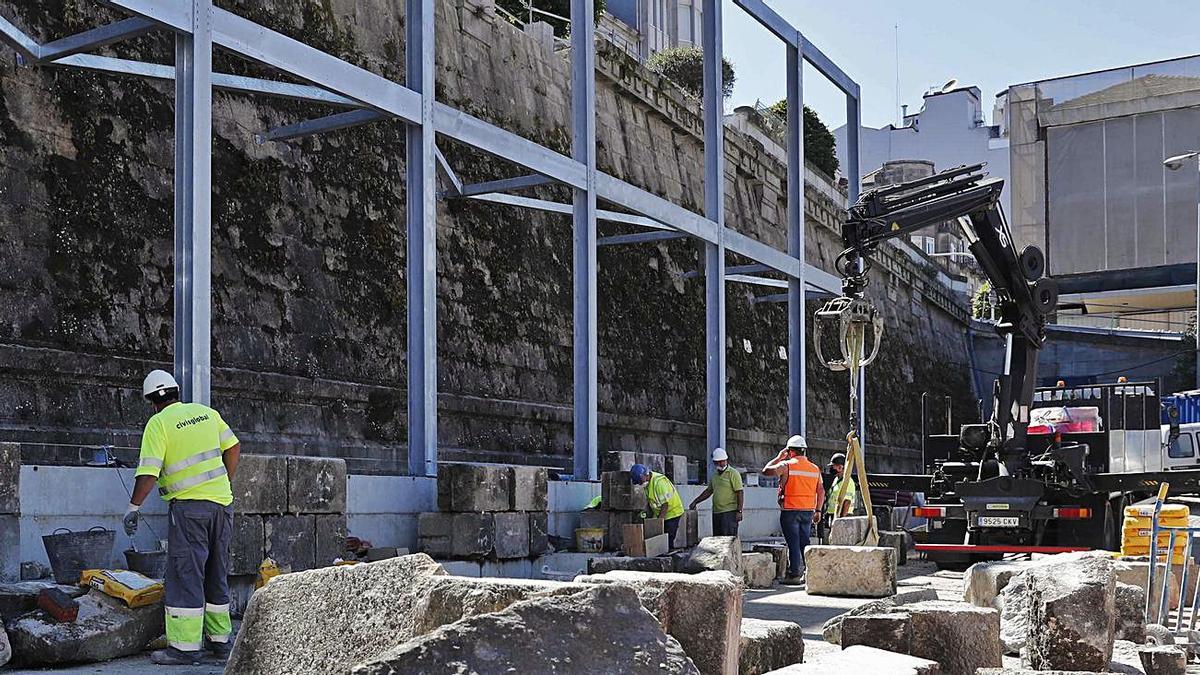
(999, 521)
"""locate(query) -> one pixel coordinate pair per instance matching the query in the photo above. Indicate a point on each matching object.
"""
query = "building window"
(929, 244)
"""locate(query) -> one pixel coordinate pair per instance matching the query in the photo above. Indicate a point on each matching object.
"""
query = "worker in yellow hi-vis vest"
(189, 451)
(661, 496)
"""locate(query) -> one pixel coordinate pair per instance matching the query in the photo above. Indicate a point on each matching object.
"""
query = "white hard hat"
(157, 381)
(797, 441)
(719, 455)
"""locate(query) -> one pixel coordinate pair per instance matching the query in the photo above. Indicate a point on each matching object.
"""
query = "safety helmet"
(637, 472)
(798, 442)
(158, 383)
(719, 455)
(838, 458)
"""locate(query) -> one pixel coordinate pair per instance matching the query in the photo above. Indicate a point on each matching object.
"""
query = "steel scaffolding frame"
(366, 97)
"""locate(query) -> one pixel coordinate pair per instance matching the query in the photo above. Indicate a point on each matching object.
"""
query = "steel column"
(714, 209)
(193, 210)
(854, 185)
(422, 243)
(583, 150)
(797, 329)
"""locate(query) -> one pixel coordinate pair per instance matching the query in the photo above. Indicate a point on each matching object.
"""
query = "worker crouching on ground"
(189, 451)
(725, 487)
(800, 495)
(662, 497)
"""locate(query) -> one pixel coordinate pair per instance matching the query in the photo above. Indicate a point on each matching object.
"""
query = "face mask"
(722, 468)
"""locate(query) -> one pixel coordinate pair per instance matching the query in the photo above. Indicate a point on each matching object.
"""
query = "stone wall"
(309, 276)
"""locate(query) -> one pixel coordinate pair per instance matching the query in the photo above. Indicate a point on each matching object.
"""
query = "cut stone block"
(1135, 572)
(618, 494)
(105, 629)
(260, 485)
(474, 535)
(653, 461)
(32, 570)
(849, 531)
(10, 548)
(316, 485)
(850, 571)
(1163, 660)
(618, 460)
(689, 530)
(530, 488)
(291, 541)
(832, 630)
(658, 545)
(474, 488)
(247, 547)
(898, 541)
(539, 533)
(779, 553)
(1071, 614)
(676, 468)
(716, 553)
(512, 535)
(768, 645)
(652, 527)
(454, 598)
(935, 630)
(433, 533)
(617, 520)
(703, 611)
(984, 581)
(614, 563)
(384, 552)
(863, 660)
(331, 539)
(633, 540)
(10, 478)
(758, 570)
(1130, 618)
(604, 627)
(593, 519)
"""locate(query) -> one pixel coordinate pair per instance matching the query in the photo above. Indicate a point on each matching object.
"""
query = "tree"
(685, 67)
(820, 147)
(981, 304)
(520, 9)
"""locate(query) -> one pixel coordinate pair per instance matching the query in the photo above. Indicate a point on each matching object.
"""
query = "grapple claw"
(850, 318)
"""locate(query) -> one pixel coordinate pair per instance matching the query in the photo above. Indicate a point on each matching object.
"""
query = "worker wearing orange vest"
(800, 495)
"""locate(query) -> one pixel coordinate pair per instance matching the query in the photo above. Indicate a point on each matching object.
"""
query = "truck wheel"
(1158, 634)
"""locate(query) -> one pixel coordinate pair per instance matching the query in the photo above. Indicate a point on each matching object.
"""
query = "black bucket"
(71, 553)
(151, 564)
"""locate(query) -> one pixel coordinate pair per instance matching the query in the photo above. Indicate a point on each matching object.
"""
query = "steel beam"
(556, 207)
(828, 68)
(583, 151)
(736, 242)
(714, 209)
(733, 269)
(343, 120)
(421, 186)
(638, 238)
(797, 328)
(756, 281)
(504, 185)
(92, 39)
(456, 184)
(25, 46)
(854, 186)
(193, 211)
(772, 21)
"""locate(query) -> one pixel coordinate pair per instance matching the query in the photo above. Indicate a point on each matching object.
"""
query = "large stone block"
(984, 581)
(652, 527)
(703, 611)
(832, 630)
(453, 598)
(715, 554)
(1130, 604)
(862, 660)
(1163, 660)
(851, 571)
(10, 478)
(10, 547)
(1136, 572)
(291, 541)
(849, 531)
(512, 535)
(105, 629)
(779, 553)
(758, 570)
(934, 630)
(474, 488)
(433, 533)
(689, 530)
(1072, 614)
(768, 645)
(316, 485)
(602, 629)
(331, 539)
(247, 547)
(474, 535)
(676, 468)
(657, 545)
(530, 488)
(653, 461)
(260, 485)
(539, 533)
(618, 494)
(614, 563)
(897, 540)
(618, 460)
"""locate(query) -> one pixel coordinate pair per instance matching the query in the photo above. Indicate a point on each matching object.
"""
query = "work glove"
(131, 519)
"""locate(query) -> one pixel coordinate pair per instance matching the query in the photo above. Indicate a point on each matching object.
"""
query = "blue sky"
(987, 44)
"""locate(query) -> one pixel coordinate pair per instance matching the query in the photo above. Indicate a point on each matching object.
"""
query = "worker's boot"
(797, 580)
(175, 657)
(219, 650)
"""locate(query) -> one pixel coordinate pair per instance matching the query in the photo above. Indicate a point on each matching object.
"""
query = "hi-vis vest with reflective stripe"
(800, 485)
(182, 446)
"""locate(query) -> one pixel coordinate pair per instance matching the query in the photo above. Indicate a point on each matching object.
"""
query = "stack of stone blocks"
(290, 509)
(487, 512)
(622, 503)
(10, 512)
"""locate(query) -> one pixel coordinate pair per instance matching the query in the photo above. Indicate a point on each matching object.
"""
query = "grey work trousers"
(198, 563)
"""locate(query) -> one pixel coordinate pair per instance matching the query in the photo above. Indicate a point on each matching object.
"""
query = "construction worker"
(728, 497)
(800, 496)
(191, 453)
(846, 508)
(662, 497)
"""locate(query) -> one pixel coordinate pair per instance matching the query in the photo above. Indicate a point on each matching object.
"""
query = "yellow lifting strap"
(856, 467)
